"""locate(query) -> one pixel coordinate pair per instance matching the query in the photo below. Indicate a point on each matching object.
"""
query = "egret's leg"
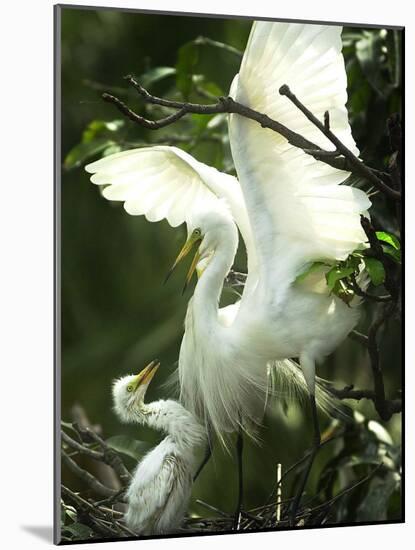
(309, 370)
(239, 451)
(208, 454)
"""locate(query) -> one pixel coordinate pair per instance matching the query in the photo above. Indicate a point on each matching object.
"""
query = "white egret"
(291, 210)
(159, 492)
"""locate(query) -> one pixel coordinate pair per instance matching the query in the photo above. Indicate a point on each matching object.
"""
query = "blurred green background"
(116, 313)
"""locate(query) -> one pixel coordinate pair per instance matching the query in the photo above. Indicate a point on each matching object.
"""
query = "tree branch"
(85, 476)
(347, 162)
(109, 456)
(384, 407)
(358, 166)
(81, 448)
(359, 292)
(376, 251)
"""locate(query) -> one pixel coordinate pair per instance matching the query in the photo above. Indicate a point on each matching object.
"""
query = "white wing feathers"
(308, 58)
(295, 202)
(162, 182)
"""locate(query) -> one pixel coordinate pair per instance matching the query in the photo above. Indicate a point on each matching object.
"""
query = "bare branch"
(81, 448)
(347, 161)
(85, 476)
(109, 456)
(358, 166)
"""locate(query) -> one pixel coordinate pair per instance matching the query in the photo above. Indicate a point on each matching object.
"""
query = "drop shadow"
(43, 532)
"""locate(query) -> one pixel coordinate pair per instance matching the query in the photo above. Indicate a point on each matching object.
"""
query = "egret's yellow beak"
(145, 376)
(194, 240)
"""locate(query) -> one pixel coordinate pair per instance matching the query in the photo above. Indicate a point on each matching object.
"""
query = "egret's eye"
(197, 232)
(130, 388)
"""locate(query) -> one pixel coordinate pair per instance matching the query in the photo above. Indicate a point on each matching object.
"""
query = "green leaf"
(100, 128)
(83, 151)
(152, 76)
(79, 530)
(336, 273)
(187, 60)
(392, 252)
(375, 270)
(204, 41)
(388, 238)
(311, 268)
(128, 446)
(98, 136)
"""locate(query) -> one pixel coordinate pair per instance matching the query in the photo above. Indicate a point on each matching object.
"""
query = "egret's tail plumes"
(287, 382)
(224, 393)
(230, 399)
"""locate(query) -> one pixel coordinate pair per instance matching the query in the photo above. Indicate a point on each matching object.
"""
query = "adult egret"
(159, 492)
(290, 209)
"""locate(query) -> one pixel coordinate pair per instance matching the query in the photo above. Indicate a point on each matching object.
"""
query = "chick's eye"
(197, 232)
(129, 388)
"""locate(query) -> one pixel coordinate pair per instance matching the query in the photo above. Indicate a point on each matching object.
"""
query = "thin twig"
(87, 513)
(81, 448)
(212, 508)
(330, 502)
(359, 337)
(348, 392)
(92, 482)
(110, 456)
(298, 463)
(357, 290)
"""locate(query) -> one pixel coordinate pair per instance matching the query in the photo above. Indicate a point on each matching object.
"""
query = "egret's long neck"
(173, 419)
(210, 284)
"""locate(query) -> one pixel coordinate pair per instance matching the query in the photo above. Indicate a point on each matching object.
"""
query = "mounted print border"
(276, 400)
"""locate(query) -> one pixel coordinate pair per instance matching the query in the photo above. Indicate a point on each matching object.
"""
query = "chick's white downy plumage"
(160, 489)
(291, 210)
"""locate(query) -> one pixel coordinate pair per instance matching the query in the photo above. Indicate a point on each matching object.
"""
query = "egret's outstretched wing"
(163, 183)
(295, 204)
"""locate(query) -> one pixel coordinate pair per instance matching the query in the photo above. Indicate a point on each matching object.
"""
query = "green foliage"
(373, 63)
(187, 60)
(375, 270)
(390, 245)
(365, 452)
(71, 528)
(98, 137)
(153, 76)
(341, 276)
(310, 269)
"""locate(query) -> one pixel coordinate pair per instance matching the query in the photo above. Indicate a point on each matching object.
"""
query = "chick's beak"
(146, 375)
(192, 241)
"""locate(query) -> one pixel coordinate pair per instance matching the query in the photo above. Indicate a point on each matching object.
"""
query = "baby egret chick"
(160, 489)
